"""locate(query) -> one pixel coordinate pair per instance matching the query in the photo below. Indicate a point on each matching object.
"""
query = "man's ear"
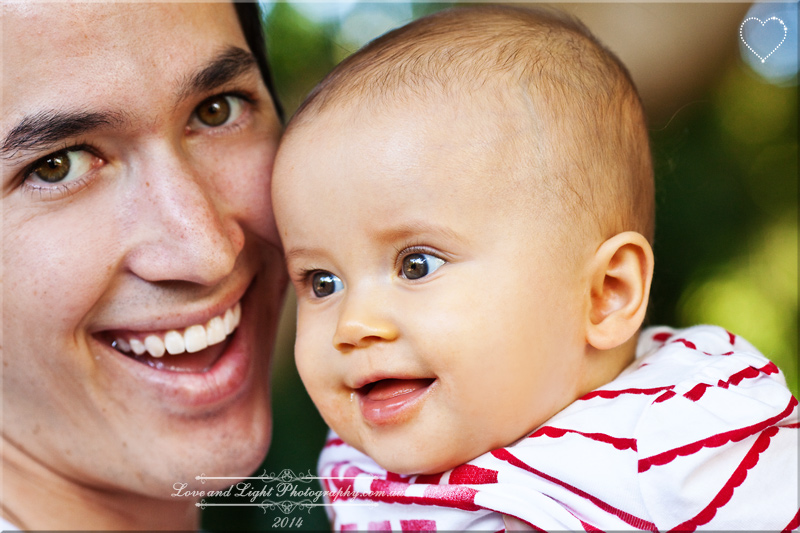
(620, 288)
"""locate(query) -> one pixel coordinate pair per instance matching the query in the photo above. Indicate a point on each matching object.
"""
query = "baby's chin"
(434, 460)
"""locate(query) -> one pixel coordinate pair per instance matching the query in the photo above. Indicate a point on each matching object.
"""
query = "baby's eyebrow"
(412, 229)
(294, 254)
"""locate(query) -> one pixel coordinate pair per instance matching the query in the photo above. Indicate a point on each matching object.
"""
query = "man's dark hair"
(250, 19)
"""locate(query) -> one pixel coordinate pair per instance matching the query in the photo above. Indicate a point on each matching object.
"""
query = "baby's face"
(439, 317)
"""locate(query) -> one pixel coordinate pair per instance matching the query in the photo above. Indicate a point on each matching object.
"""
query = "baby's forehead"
(475, 112)
(470, 139)
(436, 157)
(489, 124)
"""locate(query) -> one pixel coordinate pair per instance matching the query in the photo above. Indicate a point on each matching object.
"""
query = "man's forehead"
(88, 55)
(77, 25)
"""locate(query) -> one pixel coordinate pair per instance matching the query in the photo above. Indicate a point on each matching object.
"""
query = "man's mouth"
(194, 348)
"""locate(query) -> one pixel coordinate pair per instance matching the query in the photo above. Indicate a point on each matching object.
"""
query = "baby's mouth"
(388, 389)
(192, 349)
(391, 401)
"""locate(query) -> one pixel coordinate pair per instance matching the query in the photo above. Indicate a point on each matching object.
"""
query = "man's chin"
(201, 456)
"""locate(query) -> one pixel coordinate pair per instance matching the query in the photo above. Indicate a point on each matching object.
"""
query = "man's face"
(438, 315)
(138, 143)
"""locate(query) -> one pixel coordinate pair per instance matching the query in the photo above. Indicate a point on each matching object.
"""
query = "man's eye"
(64, 166)
(416, 266)
(325, 284)
(218, 111)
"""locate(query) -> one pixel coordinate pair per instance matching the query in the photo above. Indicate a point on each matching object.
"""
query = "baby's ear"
(622, 270)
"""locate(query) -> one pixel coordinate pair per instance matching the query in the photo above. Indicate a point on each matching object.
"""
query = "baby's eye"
(325, 284)
(417, 266)
(64, 166)
(217, 111)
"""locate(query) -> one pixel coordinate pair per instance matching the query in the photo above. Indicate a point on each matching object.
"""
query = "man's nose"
(181, 229)
(364, 320)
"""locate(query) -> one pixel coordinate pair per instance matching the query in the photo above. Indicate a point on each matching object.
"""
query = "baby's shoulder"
(719, 424)
(684, 384)
(708, 380)
(710, 387)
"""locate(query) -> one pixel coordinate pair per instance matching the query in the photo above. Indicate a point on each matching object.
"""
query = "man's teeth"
(193, 339)
(154, 345)
(137, 346)
(174, 342)
(123, 345)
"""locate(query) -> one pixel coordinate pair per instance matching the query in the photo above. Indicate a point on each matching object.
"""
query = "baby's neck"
(603, 367)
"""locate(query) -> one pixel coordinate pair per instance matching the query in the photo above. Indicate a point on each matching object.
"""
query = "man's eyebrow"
(226, 66)
(46, 128)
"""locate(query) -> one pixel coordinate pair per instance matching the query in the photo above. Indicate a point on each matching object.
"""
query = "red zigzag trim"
(617, 442)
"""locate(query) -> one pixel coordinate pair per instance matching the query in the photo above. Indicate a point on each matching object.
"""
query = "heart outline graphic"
(741, 35)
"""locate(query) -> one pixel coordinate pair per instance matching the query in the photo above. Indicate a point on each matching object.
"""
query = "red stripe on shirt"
(738, 377)
(663, 336)
(472, 475)
(394, 476)
(454, 496)
(618, 442)
(418, 525)
(697, 392)
(428, 479)
(738, 477)
(714, 441)
(735, 379)
(639, 523)
(664, 397)
(382, 490)
(607, 394)
(749, 373)
(688, 344)
(334, 442)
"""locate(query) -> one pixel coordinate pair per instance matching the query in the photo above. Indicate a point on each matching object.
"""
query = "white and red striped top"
(700, 432)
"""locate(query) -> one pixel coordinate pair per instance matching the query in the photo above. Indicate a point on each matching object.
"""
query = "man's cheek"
(242, 173)
(56, 272)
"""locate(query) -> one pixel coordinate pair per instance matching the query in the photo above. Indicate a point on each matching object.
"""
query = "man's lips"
(387, 400)
(208, 379)
(193, 348)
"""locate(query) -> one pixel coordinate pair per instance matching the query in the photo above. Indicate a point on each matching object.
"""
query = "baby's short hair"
(595, 143)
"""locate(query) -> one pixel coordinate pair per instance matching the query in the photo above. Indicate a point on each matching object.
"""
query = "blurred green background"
(724, 139)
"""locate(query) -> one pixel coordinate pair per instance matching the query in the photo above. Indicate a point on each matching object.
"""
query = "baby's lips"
(392, 400)
(387, 389)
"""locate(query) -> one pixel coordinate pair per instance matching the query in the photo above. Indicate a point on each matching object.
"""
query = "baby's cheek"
(307, 368)
(316, 371)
